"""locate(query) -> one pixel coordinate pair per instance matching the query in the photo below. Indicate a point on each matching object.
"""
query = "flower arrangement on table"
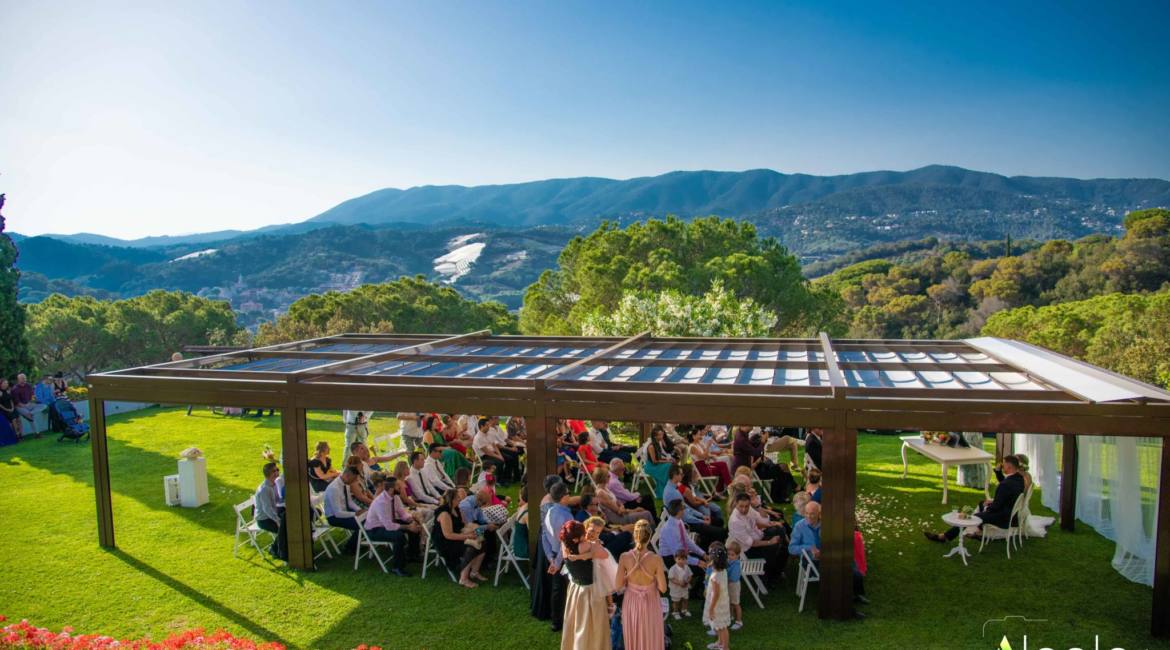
(966, 511)
(191, 453)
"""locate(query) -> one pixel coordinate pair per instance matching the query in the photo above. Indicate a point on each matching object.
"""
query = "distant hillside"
(743, 194)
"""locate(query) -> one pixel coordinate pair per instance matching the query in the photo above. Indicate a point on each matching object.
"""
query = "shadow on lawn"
(254, 628)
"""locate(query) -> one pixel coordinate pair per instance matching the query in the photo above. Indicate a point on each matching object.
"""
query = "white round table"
(957, 519)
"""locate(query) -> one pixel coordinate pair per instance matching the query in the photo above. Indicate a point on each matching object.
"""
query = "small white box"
(171, 489)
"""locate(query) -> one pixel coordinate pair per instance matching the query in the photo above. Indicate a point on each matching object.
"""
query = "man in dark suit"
(997, 511)
(812, 447)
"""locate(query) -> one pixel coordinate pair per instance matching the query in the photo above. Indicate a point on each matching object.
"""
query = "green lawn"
(174, 567)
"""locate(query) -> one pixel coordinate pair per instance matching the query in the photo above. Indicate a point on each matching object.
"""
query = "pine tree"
(14, 356)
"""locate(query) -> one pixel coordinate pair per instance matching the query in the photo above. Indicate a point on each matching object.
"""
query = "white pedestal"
(193, 482)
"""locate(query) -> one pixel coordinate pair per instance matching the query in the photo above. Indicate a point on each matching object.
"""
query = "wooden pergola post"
(101, 472)
(294, 438)
(1068, 483)
(1160, 615)
(540, 446)
(839, 460)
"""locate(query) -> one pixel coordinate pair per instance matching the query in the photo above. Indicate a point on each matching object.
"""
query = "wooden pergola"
(841, 386)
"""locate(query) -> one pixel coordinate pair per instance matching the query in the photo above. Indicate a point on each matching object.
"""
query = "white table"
(946, 456)
(957, 519)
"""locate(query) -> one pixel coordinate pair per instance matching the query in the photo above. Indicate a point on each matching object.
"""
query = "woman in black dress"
(451, 540)
(321, 471)
(8, 405)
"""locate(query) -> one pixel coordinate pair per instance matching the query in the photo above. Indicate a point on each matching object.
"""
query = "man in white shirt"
(418, 487)
(340, 509)
(605, 449)
(411, 433)
(356, 426)
(758, 537)
(434, 476)
(488, 450)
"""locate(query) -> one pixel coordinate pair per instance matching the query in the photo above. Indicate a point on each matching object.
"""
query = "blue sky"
(137, 118)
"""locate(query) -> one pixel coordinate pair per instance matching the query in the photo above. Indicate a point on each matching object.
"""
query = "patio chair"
(765, 487)
(247, 527)
(639, 475)
(809, 572)
(1025, 515)
(367, 547)
(708, 484)
(751, 573)
(1009, 534)
(431, 555)
(582, 476)
(507, 554)
(322, 530)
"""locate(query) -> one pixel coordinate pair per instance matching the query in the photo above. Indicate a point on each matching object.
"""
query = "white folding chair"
(751, 571)
(657, 534)
(367, 547)
(246, 525)
(765, 487)
(639, 474)
(708, 484)
(808, 573)
(322, 531)
(1025, 515)
(1009, 534)
(507, 554)
(583, 475)
(431, 555)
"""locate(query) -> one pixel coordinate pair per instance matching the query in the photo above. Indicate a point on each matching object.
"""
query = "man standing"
(411, 432)
(356, 427)
(549, 586)
(812, 447)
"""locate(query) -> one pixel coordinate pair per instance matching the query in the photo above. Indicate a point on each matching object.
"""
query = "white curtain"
(1117, 491)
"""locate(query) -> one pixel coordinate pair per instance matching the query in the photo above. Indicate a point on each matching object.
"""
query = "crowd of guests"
(21, 402)
(595, 568)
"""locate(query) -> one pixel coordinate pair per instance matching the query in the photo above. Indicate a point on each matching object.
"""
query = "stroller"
(66, 416)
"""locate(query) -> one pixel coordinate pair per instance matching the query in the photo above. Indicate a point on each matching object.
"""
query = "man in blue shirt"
(549, 585)
(471, 511)
(673, 537)
(806, 536)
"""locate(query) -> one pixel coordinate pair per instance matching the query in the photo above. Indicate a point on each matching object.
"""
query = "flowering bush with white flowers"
(717, 313)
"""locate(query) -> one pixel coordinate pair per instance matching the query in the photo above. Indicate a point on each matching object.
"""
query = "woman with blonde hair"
(643, 576)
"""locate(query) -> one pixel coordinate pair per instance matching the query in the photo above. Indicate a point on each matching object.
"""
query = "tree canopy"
(595, 273)
(672, 313)
(14, 355)
(82, 334)
(406, 305)
(951, 289)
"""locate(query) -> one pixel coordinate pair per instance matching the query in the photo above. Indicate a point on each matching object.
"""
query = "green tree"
(716, 313)
(14, 354)
(407, 305)
(595, 273)
(81, 334)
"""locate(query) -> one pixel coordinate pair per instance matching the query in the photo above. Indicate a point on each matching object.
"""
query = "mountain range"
(496, 239)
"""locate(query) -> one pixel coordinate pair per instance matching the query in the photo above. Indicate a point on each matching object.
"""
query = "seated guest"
(460, 545)
(517, 430)
(603, 447)
(585, 453)
(8, 407)
(321, 470)
(402, 477)
(511, 451)
(806, 536)
(658, 459)
(389, 521)
(487, 481)
(463, 477)
(996, 511)
(813, 487)
(674, 537)
(634, 500)
(60, 386)
(433, 473)
(758, 536)
(615, 541)
(454, 460)
(779, 443)
(454, 435)
(698, 517)
(340, 509)
(613, 510)
(418, 487)
(799, 501)
(748, 450)
(706, 461)
(471, 512)
(22, 395)
(359, 449)
(267, 512)
(44, 392)
(696, 498)
(489, 453)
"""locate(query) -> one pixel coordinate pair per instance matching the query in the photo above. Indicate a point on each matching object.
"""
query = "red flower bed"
(26, 635)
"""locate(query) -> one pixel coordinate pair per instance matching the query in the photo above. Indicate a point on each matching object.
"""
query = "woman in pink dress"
(643, 576)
